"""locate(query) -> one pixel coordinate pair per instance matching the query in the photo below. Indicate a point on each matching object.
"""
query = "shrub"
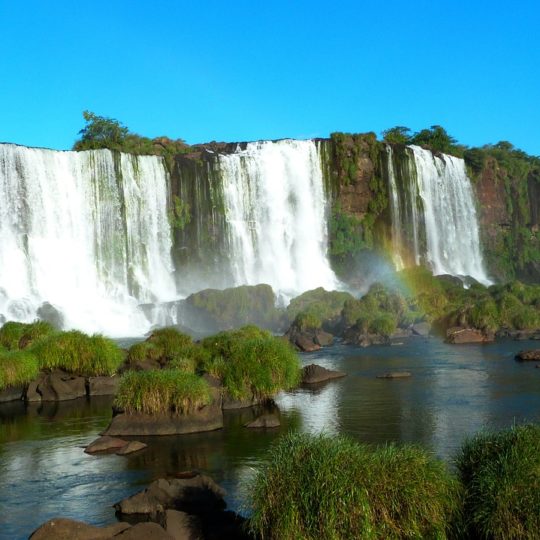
(16, 335)
(17, 368)
(316, 487)
(384, 324)
(307, 320)
(162, 391)
(500, 473)
(252, 362)
(320, 302)
(76, 352)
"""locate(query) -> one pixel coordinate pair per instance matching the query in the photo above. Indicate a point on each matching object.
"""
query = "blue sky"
(248, 70)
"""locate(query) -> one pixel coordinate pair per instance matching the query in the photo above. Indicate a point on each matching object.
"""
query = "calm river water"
(454, 391)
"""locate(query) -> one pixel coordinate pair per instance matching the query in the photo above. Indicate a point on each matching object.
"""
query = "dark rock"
(131, 447)
(523, 335)
(145, 531)
(324, 339)
(47, 312)
(459, 335)
(193, 493)
(448, 279)
(103, 386)
(230, 403)
(207, 418)
(69, 529)
(314, 374)
(61, 386)
(354, 336)
(306, 343)
(525, 356)
(421, 329)
(105, 444)
(395, 375)
(13, 393)
(32, 394)
(182, 526)
(264, 421)
(401, 333)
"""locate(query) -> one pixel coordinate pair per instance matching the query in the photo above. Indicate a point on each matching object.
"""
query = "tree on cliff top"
(101, 132)
(398, 134)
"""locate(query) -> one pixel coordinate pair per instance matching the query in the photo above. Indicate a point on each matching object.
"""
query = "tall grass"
(252, 363)
(162, 391)
(318, 487)
(79, 353)
(17, 368)
(500, 473)
(16, 335)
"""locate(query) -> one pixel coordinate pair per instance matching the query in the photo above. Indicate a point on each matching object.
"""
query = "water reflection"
(453, 392)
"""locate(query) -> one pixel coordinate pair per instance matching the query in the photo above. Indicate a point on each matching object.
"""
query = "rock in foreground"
(314, 374)
(69, 529)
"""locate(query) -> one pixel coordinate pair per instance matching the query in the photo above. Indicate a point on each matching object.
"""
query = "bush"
(76, 352)
(316, 487)
(384, 325)
(500, 473)
(162, 391)
(11, 333)
(252, 363)
(16, 335)
(320, 302)
(17, 368)
(306, 320)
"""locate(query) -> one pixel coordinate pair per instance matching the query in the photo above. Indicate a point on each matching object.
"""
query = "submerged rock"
(264, 421)
(105, 444)
(69, 529)
(395, 375)
(532, 355)
(131, 447)
(314, 374)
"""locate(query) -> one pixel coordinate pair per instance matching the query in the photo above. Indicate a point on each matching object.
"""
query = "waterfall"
(87, 232)
(434, 214)
(275, 210)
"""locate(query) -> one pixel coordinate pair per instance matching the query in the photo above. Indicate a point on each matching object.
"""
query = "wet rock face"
(314, 374)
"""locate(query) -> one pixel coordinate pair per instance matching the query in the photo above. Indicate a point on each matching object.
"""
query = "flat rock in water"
(191, 493)
(264, 421)
(395, 375)
(106, 444)
(526, 356)
(69, 529)
(131, 447)
(314, 374)
(145, 531)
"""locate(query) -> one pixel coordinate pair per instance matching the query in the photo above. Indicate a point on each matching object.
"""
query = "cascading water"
(275, 208)
(85, 233)
(434, 214)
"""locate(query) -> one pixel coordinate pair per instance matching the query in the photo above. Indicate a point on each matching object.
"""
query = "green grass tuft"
(79, 353)
(17, 368)
(162, 391)
(316, 487)
(500, 473)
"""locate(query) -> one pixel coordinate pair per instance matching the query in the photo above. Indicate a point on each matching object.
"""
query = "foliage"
(162, 391)
(237, 306)
(319, 302)
(180, 215)
(437, 139)
(252, 363)
(17, 368)
(501, 476)
(345, 232)
(315, 487)
(307, 320)
(15, 335)
(79, 353)
(397, 135)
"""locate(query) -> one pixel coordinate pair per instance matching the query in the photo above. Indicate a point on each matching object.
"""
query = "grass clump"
(319, 302)
(162, 391)
(17, 368)
(315, 487)
(307, 320)
(16, 335)
(500, 473)
(252, 363)
(170, 348)
(79, 353)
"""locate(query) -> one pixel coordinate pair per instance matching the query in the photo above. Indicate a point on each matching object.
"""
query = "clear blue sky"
(246, 70)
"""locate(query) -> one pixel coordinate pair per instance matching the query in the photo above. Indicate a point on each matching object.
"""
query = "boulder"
(62, 386)
(32, 394)
(421, 329)
(525, 356)
(131, 447)
(47, 312)
(105, 444)
(523, 335)
(324, 339)
(395, 375)
(306, 343)
(69, 529)
(354, 336)
(459, 335)
(229, 403)
(12, 393)
(314, 374)
(103, 386)
(145, 531)
(264, 421)
(401, 333)
(207, 418)
(182, 526)
(193, 493)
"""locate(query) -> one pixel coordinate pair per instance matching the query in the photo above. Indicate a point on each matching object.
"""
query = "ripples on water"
(454, 392)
